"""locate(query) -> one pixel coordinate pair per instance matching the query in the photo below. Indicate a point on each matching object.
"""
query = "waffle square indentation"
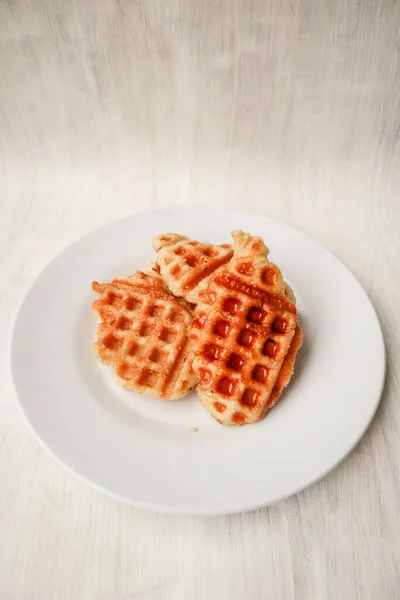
(270, 348)
(235, 362)
(124, 324)
(246, 337)
(232, 306)
(256, 315)
(115, 300)
(226, 386)
(239, 418)
(260, 373)
(166, 336)
(212, 351)
(250, 397)
(269, 276)
(112, 343)
(279, 326)
(221, 328)
(145, 330)
(126, 371)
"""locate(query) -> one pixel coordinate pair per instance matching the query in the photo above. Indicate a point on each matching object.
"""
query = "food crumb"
(192, 429)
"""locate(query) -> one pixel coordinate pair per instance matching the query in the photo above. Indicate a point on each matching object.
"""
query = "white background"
(289, 108)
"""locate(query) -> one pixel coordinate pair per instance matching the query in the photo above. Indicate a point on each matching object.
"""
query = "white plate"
(139, 449)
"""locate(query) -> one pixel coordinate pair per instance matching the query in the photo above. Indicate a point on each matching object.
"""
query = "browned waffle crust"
(246, 335)
(143, 336)
(186, 265)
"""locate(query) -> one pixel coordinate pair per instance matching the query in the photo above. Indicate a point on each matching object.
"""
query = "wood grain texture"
(289, 108)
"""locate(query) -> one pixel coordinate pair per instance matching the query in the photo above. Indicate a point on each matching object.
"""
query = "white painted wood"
(289, 108)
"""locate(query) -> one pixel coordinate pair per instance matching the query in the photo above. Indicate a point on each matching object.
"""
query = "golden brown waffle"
(186, 265)
(246, 335)
(143, 336)
(153, 270)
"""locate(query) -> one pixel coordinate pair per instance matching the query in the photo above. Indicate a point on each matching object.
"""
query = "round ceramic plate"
(140, 449)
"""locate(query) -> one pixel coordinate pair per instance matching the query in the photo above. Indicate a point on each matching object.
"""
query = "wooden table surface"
(290, 108)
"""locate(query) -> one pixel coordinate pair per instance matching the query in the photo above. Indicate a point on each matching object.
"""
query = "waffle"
(246, 334)
(143, 336)
(186, 265)
(153, 270)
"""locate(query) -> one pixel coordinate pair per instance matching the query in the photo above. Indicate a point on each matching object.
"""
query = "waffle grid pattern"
(186, 264)
(242, 344)
(143, 338)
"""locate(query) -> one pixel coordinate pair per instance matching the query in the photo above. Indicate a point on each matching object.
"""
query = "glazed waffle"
(246, 335)
(186, 265)
(143, 336)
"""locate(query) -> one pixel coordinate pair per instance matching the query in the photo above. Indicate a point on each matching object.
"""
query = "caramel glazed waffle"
(246, 335)
(245, 329)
